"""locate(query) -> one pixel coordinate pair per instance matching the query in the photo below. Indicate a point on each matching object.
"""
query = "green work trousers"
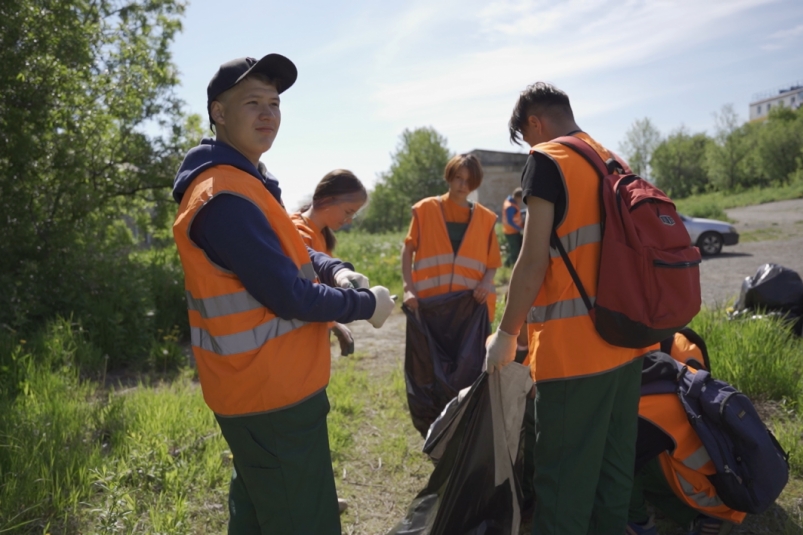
(283, 482)
(650, 485)
(513, 248)
(585, 449)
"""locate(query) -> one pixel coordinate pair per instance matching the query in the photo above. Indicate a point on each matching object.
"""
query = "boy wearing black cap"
(259, 302)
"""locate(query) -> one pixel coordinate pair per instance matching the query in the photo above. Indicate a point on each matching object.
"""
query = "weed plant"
(713, 205)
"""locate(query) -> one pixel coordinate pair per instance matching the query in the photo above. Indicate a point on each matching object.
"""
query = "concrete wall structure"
(502, 175)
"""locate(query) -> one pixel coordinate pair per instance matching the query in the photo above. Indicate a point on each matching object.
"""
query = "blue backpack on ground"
(751, 466)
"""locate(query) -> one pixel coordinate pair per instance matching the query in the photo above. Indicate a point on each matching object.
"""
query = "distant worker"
(587, 391)
(672, 465)
(512, 226)
(338, 196)
(259, 305)
(451, 244)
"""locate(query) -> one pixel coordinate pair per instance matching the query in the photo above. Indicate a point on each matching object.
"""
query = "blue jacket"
(237, 236)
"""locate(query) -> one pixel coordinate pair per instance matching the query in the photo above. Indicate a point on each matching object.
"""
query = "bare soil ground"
(379, 491)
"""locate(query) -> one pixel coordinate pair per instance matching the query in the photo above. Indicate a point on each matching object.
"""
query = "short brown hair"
(517, 192)
(468, 162)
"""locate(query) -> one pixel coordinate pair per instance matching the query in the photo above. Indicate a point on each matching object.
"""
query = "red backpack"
(649, 273)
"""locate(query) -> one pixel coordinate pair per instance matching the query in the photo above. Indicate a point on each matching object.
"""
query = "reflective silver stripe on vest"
(432, 261)
(306, 271)
(433, 282)
(231, 344)
(700, 498)
(698, 459)
(470, 263)
(570, 308)
(222, 305)
(581, 236)
(465, 281)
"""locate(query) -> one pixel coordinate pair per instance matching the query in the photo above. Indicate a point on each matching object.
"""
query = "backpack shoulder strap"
(586, 151)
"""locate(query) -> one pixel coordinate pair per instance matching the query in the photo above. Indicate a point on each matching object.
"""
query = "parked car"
(709, 234)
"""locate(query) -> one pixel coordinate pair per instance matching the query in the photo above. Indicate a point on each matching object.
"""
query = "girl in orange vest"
(451, 244)
(338, 196)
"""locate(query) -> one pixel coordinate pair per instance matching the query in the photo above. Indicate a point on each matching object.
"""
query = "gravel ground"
(722, 275)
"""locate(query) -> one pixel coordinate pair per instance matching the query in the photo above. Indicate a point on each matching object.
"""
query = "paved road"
(722, 275)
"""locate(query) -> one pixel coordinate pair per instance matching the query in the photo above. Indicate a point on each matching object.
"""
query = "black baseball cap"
(233, 72)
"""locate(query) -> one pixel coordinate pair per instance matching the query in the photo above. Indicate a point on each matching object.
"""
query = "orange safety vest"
(249, 359)
(310, 233)
(688, 466)
(685, 351)
(437, 270)
(506, 226)
(562, 338)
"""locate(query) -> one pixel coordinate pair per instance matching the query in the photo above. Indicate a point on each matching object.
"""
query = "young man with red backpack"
(586, 404)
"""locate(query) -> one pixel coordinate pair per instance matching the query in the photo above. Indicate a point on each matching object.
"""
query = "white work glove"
(384, 306)
(500, 350)
(346, 278)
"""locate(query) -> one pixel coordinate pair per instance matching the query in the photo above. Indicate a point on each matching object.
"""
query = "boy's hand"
(346, 278)
(501, 350)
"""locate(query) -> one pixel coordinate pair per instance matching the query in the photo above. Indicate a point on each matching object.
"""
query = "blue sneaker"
(641, 529)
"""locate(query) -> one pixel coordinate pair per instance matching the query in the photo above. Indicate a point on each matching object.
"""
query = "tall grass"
(75, 459)
(762, 358)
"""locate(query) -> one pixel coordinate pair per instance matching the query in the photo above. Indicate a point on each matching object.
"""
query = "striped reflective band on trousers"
(570, 308)
(235, 303)
(577, 238)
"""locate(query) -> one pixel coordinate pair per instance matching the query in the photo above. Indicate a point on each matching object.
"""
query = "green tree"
(91, 136)
(679, 163)
(639, 143)
(416, 172)
(780, 144)
(730, 159)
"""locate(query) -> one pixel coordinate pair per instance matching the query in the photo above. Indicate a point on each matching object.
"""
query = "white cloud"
(784, 38)
(519, 41)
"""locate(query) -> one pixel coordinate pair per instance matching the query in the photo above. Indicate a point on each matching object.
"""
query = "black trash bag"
(774, 289)
(444, 352)
(462, 497)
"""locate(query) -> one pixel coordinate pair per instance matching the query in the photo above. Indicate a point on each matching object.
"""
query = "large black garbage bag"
(776, 289)
(444, 352)
(475, 487)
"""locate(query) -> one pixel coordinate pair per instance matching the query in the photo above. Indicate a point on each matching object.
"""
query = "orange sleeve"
(494, 255)
(412, 234)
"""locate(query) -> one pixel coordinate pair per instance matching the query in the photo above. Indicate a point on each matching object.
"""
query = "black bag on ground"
(774, 288)
(444, 352)
(752, 468)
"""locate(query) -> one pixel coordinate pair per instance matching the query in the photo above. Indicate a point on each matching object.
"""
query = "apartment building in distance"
(790, 96)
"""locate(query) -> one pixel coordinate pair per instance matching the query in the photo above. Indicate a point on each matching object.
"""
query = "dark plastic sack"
(444, 352)
(776, 289)
(461, 497)
(773, 287)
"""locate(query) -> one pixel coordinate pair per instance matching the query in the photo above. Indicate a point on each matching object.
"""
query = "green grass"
(762, 358)
(377, 256)
(713, 205)
(77, 458)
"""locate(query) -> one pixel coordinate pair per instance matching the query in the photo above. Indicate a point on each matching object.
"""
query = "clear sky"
(368, 70)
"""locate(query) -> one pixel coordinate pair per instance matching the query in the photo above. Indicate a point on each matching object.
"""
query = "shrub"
(377, 256)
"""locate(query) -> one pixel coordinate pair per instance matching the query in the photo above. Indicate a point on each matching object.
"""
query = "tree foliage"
(640, 141)
(729, 157)
(679, 163)
(416, 172)
(90, 136)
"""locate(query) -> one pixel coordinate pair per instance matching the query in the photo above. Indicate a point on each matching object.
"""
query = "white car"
(709, 234)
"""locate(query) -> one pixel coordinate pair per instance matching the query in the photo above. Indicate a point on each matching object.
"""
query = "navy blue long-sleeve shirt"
(235, 235)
